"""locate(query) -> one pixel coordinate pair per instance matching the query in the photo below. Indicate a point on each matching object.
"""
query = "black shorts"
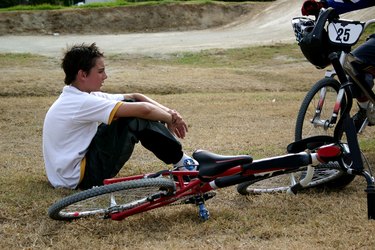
(113, 145)
(366, 51)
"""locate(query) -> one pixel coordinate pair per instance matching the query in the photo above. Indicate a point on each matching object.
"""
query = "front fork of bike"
(326, 124)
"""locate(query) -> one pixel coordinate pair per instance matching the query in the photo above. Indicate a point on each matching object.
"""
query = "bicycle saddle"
(211, 164)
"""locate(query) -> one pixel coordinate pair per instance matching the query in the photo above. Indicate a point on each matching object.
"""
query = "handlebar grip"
(295, 188)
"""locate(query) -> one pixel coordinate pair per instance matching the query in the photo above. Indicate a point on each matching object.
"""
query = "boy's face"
(95, 78)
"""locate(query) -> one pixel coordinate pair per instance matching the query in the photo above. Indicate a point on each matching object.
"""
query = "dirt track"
(268, 24)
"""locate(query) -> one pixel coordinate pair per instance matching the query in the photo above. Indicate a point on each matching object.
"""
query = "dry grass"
(233, 106)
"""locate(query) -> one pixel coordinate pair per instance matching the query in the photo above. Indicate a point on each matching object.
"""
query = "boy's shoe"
(188, 164)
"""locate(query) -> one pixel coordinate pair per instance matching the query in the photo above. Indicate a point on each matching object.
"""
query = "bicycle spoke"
(104, 200)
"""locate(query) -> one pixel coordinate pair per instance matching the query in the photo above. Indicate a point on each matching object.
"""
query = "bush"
(10, 3)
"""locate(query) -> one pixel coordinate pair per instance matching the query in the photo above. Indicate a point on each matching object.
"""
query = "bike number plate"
(344, 32)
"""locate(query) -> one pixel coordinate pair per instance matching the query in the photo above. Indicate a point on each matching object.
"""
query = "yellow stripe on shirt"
(113, 112)
(83, 167)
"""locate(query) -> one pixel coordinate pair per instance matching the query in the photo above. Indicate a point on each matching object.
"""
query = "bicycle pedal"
(203, 212)
(205, 196)
(209, 195)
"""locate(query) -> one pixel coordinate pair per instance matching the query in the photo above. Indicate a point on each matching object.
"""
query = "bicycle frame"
(228, 175)
(345, 123)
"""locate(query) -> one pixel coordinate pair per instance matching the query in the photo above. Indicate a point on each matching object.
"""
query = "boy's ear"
(81, 74)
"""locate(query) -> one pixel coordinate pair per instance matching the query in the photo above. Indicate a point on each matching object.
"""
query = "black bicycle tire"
(342, 179)
(55, 213)
(330, 82)
(250, 187)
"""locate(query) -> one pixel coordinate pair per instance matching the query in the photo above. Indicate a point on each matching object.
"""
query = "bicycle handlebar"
(368, 22)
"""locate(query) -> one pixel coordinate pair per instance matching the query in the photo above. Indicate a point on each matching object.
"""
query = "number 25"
(343, 34)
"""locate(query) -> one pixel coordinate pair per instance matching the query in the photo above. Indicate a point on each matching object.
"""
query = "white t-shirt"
(69, 127)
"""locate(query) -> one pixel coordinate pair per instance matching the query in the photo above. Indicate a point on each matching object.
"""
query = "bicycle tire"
(304, 128)
(99, 201)
(282, 182)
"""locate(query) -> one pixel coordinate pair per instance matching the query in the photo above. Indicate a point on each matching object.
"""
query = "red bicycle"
(121, 197)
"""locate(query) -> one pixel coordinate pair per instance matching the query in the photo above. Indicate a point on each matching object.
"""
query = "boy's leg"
(366, 55)
(156, 137)
(113, 145)
(366, 51)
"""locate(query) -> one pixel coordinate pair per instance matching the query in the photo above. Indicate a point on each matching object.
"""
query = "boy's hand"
(177, 126)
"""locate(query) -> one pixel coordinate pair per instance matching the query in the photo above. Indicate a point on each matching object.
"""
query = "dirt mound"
(150, 18)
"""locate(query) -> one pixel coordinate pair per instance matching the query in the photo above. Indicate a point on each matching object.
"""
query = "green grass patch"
(223, 58)
(19, 56)
(32, 7)
(12, 59)
(117, 3)
(239, 56)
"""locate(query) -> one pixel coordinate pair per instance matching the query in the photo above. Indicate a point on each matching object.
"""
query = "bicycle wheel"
(103, 200)
(312, 121)
(281, 182)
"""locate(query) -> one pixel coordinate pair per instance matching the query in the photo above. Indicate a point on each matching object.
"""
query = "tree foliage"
(10, 3)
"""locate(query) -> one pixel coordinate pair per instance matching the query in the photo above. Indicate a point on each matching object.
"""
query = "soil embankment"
(131, 19)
